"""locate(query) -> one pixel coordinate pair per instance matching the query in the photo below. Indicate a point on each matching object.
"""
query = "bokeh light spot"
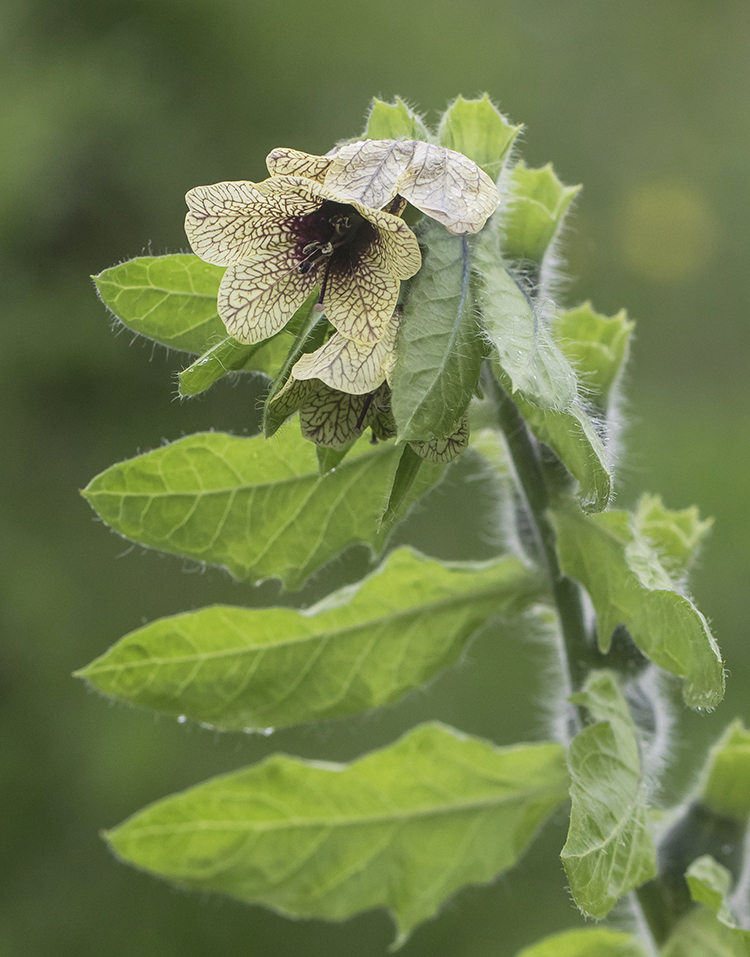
(668, 231)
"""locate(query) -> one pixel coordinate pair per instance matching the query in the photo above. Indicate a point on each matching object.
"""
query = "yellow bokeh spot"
(668, 231)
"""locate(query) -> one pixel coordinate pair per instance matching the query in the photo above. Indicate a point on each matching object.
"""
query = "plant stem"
(565, 591)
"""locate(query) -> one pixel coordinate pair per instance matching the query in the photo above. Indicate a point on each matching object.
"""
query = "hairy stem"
(566, 593)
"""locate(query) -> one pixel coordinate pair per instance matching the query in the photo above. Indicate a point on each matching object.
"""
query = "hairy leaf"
(361, 648)
(573, 438)
(592, 942)
(394, 121)
(232, 356)
(402, 828)
(597, 346)
(725, 785)
(537, 206)
(610, 848)
(260, 508)
(439, 347)
(629, 586)
(168, 298)
(675, 536)
(480, 131)
(527, 352)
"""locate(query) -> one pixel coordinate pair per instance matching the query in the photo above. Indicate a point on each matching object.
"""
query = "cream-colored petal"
(396, 251)
(450, 188)
(288, 400)
(332, 418)
(442, 451)
(350, 366)
(283, 161)
(360, 304)
(369, 171)
(226, 222)
(223, 219)
(257, 298)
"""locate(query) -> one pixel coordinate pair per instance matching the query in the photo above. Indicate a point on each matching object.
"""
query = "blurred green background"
(110, 111)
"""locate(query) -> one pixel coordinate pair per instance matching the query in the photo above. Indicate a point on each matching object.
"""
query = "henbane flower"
(283, 237)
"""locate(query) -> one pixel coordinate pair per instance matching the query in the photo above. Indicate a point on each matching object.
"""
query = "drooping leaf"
(592, 942)
(573, 438)
(629, 586)
(232, 356)
(439, 347)
(394, 121)
(526, 349)
(535, 210)
(610, 847)
(478, 129)
(725, 781)
(362, 647)
(675, 536)
(597, 346)
(171, 299)
(402, 828)
(260, 508)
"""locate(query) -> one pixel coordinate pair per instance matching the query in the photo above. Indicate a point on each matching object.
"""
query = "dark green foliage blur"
(110, 111)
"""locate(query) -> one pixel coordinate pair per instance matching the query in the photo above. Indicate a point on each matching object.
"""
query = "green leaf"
(725, 784)
(168, 298)
(408, 468)
(610, 848)
(362, 647)
(573, 438)
(260, 508)
(629, 586)
(232, 356)
(394, 121)
(592, 942)
(311, 332)
(597, 347)
(402, 828)
(675, 536)
(710, 884)
(535, 211)
(527, 352)
(439, 350)
(709, 930)
(479, 130)
(700, 934)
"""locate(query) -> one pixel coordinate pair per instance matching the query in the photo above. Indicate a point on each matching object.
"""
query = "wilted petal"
(348, 365)
(360, 304)
(450, 188)
(256, 299)
(333, 418)
(283, 162)
(444, 450)
(445, 184)
(369, 171)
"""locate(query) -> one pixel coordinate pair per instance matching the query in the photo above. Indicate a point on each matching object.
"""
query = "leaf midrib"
(417, 813)
(341, 634)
